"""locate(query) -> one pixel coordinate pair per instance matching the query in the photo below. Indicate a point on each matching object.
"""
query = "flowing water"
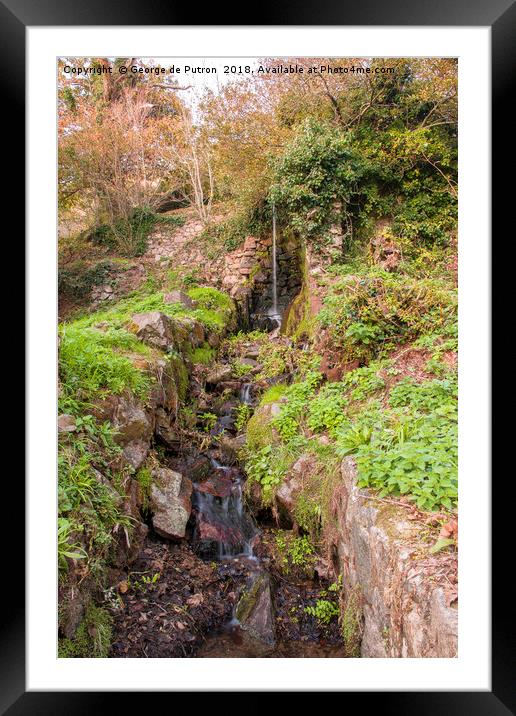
(245, 394)
(274, 313)
(226, 532)
(274, 264)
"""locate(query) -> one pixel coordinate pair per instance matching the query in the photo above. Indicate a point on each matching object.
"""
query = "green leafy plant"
(323, 610)
(243, 413)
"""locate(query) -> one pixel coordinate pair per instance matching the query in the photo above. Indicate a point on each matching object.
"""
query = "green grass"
(404, 444)
(91, 363)
(214, 309)
(89, 508)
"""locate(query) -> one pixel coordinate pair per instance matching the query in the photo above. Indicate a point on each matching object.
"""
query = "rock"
(192, 332)
(230, 446)
(165, 429)
(131, 422)
(254, 610)
(275, 409)
(251, 352)
(219, 485)
(292, 484)
(66, 423)
(179, 297)
(199, 468)
(254, 366)
(165, 391)
(404, 609)
(229, 385)
(155, 329)
(218, 374)
(129, 545)
(213, 339)
(170, 503)
(135, 453)
(218, 532)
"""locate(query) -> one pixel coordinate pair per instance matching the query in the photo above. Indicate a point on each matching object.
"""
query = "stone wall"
(247, 275)
(404, 602)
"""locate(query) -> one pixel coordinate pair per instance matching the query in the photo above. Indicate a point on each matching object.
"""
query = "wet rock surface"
(254, 610)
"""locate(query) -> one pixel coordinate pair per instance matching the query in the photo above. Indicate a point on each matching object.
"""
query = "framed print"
(258, 355)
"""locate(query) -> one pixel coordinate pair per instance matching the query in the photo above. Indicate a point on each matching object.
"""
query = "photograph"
(258, 357)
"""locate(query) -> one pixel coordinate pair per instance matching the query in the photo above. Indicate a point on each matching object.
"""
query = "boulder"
(229, 447)
(219, 484)
(135, 453)
(196, 334)
(131, 422)
(254, 610)
(66, 423)
(292, 485)
(170, 503)
(219, 374)
(406, 611)
(254, 366)
(165, 392)
(154, 329)
(128, 544)
(213, 339)
(211, 531)
(179, 297)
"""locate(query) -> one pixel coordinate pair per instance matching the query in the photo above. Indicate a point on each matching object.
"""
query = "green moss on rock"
(92, 638)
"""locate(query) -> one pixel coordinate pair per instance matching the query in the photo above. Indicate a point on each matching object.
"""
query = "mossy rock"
(254, 610)
(92, 638)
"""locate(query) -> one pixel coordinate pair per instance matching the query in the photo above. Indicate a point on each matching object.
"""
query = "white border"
(471, 670)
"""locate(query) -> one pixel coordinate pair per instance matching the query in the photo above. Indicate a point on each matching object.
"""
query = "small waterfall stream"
(274, 264)
(274, 313)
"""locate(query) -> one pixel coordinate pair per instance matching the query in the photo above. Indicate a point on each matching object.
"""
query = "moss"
(351, 621)
(307, 512)
(298, 322)
(92, 639)
(387, 519)
(180, 374)
(203, 355)
(92, 361)
(259, 432)
(248, 599)
(214, 309)
(273, 394)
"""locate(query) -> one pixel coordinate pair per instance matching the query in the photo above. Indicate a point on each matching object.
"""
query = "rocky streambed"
(207, 581)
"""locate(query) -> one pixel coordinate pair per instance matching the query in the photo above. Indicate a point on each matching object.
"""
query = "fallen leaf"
(180, 626)
(450, 530)
(195, 600)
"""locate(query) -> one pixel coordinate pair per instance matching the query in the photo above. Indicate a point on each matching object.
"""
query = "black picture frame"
(500, 16)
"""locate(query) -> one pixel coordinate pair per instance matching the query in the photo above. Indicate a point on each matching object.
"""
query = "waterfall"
(274, 276)
(245, 394)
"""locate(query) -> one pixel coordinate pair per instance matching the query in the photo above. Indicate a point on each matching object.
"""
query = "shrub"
(129, 235)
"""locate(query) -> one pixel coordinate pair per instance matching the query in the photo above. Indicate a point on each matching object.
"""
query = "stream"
(225, 531)
(221, 592)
